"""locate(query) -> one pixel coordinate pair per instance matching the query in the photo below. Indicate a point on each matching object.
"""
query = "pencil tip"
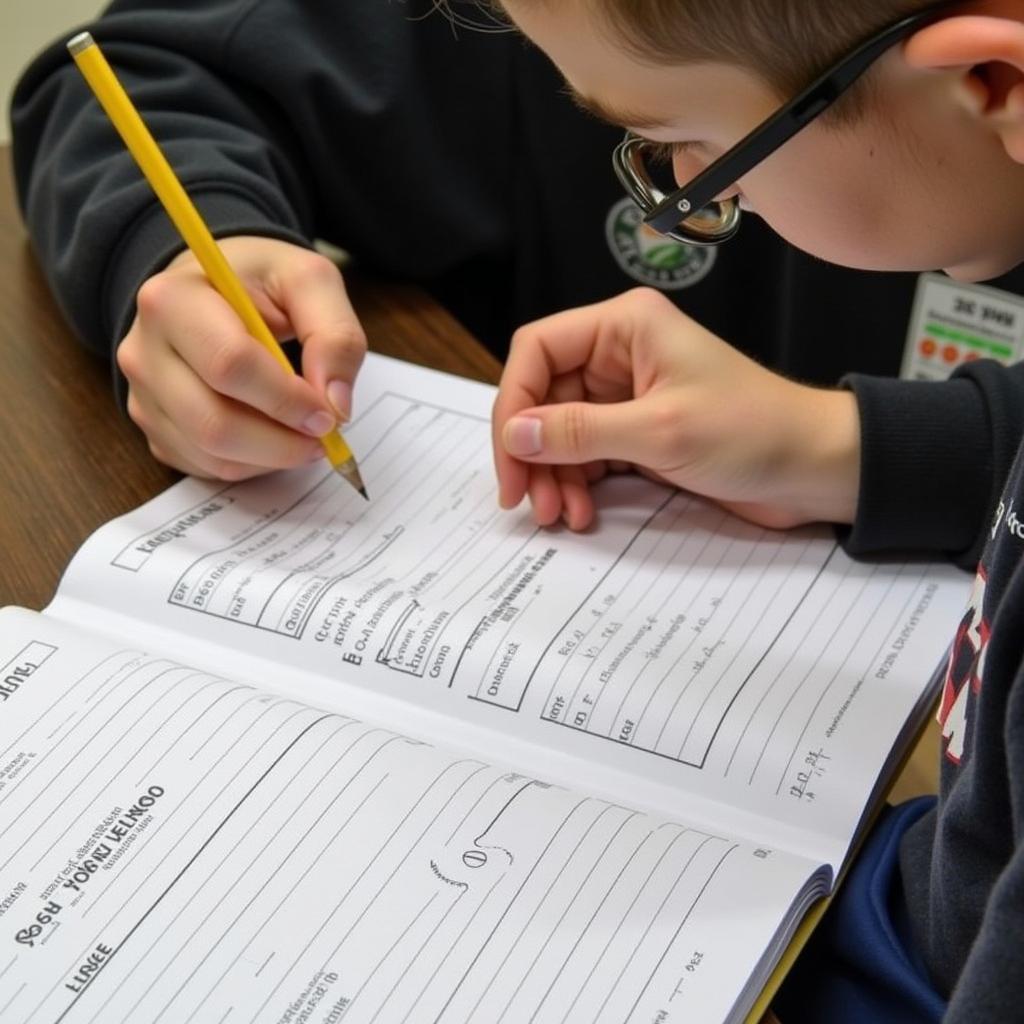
(349, 471)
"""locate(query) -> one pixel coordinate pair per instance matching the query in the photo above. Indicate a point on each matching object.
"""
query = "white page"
(183, 847)
(674, 646)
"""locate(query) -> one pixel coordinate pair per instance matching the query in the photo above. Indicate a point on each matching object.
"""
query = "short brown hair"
(786, 42)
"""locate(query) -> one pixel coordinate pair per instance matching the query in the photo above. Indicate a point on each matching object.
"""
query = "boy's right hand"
(634, 381)
(211, 400)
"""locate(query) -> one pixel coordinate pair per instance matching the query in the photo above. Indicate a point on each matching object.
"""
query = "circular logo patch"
(651, 258)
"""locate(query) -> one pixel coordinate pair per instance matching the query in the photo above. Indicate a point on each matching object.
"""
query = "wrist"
(822, 480)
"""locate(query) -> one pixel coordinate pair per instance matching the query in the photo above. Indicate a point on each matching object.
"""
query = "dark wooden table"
(70, 460)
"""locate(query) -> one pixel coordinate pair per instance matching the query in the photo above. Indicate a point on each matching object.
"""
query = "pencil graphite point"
(350, 471)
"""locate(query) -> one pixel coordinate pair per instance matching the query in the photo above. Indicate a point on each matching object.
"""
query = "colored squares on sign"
(928, 346)
(950, 353)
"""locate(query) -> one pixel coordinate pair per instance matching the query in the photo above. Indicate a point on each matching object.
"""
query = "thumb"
(572, 433)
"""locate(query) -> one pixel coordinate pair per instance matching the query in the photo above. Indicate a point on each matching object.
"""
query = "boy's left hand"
(634, 382)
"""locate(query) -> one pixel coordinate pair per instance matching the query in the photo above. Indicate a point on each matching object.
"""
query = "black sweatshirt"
(451, 159)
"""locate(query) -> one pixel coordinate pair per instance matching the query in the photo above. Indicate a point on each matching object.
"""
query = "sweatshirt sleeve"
(97, 229)
(989, 986)
(934, 457)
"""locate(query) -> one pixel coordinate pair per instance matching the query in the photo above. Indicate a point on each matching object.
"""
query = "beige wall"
(25, 27)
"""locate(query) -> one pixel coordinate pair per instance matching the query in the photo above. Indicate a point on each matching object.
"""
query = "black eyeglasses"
(690, 214)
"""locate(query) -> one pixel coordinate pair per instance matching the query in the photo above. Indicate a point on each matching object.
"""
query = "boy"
(919, 164)
(431, 153)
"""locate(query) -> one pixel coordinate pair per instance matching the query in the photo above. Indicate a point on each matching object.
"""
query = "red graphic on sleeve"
(964, 672)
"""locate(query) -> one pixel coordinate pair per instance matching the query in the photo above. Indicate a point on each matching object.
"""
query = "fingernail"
(339, 394)
(522, 436)
(318, 424)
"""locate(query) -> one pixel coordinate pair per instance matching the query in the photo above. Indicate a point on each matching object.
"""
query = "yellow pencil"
(189, 222)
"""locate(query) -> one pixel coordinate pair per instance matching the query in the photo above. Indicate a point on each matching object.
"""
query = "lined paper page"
(674, 644)
(184, 847)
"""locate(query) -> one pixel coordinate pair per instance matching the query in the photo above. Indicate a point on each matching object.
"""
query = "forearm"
(95, 225)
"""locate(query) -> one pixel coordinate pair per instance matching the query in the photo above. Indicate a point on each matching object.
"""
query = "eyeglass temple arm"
(780, 127)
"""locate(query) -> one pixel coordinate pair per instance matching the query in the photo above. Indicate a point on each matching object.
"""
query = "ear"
(990, 53)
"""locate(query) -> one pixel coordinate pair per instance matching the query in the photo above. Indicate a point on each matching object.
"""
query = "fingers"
(559, 492)
(598, 337)
(635, 382)
(574, 433)
(169, 446)
(311, 290)
(199, 326)
(526, 381)
(577, 501)
(198, 431)
(210, 398)
(589, 346)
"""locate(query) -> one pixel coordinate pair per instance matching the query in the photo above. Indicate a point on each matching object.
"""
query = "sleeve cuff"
(926, 468)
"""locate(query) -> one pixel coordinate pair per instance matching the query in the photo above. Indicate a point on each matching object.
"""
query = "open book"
(277, 754)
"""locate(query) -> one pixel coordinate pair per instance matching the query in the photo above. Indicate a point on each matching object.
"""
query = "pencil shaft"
(186, 218)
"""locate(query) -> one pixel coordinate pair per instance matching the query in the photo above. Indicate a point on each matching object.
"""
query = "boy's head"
(919, 166)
